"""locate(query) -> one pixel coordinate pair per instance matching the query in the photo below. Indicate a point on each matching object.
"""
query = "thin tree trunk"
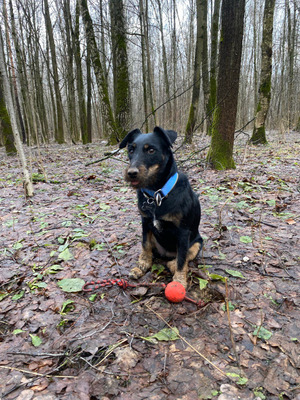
(264, 95)
(88, 94)
(122, 100)
(164, 60)
(71, 103)
(193, 113)
(213, 65)
(79, 79)
(13, 73)
(110, 128)
(10, 107)
(174, 59)
(150, 85)
(144, 68)
(59, 128)
(204, 61)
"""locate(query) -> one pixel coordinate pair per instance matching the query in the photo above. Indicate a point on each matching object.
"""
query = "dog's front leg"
(146, 256)
(179, 267)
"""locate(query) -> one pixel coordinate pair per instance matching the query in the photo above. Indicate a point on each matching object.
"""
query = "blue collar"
(162, 193)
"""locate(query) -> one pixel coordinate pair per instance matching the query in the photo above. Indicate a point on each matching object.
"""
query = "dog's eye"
(151, 150)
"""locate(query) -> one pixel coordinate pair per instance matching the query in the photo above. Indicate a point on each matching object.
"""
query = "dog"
(169, 208)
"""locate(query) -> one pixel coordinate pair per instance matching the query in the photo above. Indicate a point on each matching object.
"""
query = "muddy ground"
(132, 343)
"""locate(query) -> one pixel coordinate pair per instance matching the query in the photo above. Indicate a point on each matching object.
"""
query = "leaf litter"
(82, 225)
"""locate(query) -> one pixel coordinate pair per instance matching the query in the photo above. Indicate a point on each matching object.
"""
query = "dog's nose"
(132, 172)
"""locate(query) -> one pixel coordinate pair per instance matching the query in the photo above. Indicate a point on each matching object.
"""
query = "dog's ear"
(129, 138)
(168, 135)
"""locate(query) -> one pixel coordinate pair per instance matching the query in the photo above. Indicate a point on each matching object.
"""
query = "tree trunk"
(144, 68)
(264, 94)
(122, 101)
(10, 107)
(109, 125)
(88, 95)
(213, 66)
(174, 59)
(71, 103)
(150, 85)
(79, 79)
(192, 119)
(7, 133)
(221, 149)
(14, 80)
(204, 62)
(59, 128)
(164, 60)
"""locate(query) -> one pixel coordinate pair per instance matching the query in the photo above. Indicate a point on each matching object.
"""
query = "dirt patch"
(83, 223)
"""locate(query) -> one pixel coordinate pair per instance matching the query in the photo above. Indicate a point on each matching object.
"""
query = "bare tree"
(122, 100)
(193, 113)
(221, 148)
(59, 127)
(264, 95)
(213, 65)
(11, 110)
(164, 59)
(69, 68)
(109, 124)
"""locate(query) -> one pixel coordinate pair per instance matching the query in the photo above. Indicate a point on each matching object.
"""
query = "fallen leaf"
(290, 221)
(71, 285)
(165, 334)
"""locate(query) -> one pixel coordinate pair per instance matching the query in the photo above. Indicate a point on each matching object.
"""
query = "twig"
(192, 155)
(257, 220)
(229, 324)
(24, 353)
(111, 351)
(259, 328)
(37, 373)
(108, 155)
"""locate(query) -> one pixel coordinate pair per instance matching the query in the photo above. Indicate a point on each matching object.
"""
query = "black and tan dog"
(169, 208)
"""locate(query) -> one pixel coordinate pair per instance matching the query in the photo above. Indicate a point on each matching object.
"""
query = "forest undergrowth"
(58, 342)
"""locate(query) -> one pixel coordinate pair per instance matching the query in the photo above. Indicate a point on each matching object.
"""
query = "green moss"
(259, 136)
(265, 87)
(219, 156)
(6, 128)
(258, 107)
(220, 152)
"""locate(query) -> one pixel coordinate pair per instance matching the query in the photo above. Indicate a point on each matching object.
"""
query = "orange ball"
(175, 292)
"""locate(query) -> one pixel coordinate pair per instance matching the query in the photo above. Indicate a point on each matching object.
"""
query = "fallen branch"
(37, 373)
(106, 156)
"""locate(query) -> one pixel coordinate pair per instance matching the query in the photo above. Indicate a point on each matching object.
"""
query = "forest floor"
(58, 342)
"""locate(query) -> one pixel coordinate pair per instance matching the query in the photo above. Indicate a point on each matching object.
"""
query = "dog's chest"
(165, 222)
(157, 224)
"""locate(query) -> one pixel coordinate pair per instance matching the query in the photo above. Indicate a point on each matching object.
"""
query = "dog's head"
(149, 155)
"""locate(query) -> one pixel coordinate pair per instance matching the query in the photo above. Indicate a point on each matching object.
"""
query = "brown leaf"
(290, 221)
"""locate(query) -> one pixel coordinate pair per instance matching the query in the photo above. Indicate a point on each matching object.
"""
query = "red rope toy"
(174, 291)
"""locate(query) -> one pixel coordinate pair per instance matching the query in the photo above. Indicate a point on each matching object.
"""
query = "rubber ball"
(175, 292)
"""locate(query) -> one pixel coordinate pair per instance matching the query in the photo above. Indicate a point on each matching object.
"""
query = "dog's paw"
(180, 277)
(172, 265)
(136, 273)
